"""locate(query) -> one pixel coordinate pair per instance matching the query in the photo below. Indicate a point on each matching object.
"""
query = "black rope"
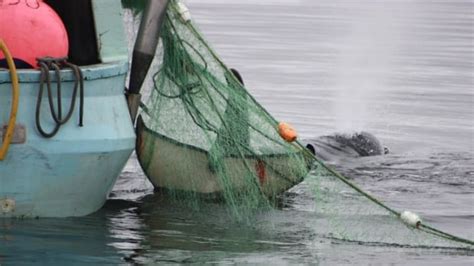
(44, 78)
(46, 64)
(78, 81)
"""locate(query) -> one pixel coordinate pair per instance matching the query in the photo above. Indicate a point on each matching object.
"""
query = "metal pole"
(144, 50)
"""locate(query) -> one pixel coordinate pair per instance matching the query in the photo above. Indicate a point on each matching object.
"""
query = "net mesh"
(349, 215)
(224, 144)
(202, 135)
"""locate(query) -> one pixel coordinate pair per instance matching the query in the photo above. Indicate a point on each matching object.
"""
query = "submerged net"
(350, 214)
(202, 135)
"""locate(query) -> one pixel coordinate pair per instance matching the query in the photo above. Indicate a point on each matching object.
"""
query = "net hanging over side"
(201, 134)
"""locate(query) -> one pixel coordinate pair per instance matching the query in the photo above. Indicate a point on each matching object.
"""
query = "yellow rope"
(7, 138)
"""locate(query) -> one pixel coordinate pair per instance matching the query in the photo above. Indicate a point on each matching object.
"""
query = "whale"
(338, 145)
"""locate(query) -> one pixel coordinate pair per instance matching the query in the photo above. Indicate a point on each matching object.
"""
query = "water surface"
(402, 70)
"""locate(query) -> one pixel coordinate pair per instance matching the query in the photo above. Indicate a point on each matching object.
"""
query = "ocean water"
(402, 70)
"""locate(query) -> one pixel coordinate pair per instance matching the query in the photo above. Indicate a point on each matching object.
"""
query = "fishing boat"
(183, 143)
(54, 167)
(173, 165)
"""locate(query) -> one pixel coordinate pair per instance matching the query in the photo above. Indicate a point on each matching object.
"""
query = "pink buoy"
(31, 29)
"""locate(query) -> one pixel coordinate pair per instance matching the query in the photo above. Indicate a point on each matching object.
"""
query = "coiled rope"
(46, 64)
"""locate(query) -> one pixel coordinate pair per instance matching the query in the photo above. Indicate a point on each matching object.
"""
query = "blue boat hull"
(71, 173)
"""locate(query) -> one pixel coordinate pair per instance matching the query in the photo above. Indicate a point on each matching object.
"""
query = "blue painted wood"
(90, 72)
(71, 173)
(111, 39)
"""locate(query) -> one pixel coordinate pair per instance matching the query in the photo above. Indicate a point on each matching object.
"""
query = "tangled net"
(201, 134)
(225, 144)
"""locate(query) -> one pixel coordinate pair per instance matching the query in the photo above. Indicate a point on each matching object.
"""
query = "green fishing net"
(205, 135)
(201, 135)
(349, 214)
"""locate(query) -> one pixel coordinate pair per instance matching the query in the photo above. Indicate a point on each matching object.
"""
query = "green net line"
(195, 86)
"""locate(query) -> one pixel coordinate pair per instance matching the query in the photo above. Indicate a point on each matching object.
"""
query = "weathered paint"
(71, 173)
(19, 133)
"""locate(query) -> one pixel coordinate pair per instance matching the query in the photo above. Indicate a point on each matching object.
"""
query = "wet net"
(201, 135)
(204, 135)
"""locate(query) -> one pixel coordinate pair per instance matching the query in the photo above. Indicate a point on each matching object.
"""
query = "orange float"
(31, 29)
(287, 132)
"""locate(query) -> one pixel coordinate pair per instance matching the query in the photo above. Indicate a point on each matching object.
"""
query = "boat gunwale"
(141, 124)
(89, 72)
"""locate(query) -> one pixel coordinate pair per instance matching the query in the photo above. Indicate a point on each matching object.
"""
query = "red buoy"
(31, 29)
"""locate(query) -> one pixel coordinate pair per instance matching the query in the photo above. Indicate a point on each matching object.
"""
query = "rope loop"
(56, 64)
